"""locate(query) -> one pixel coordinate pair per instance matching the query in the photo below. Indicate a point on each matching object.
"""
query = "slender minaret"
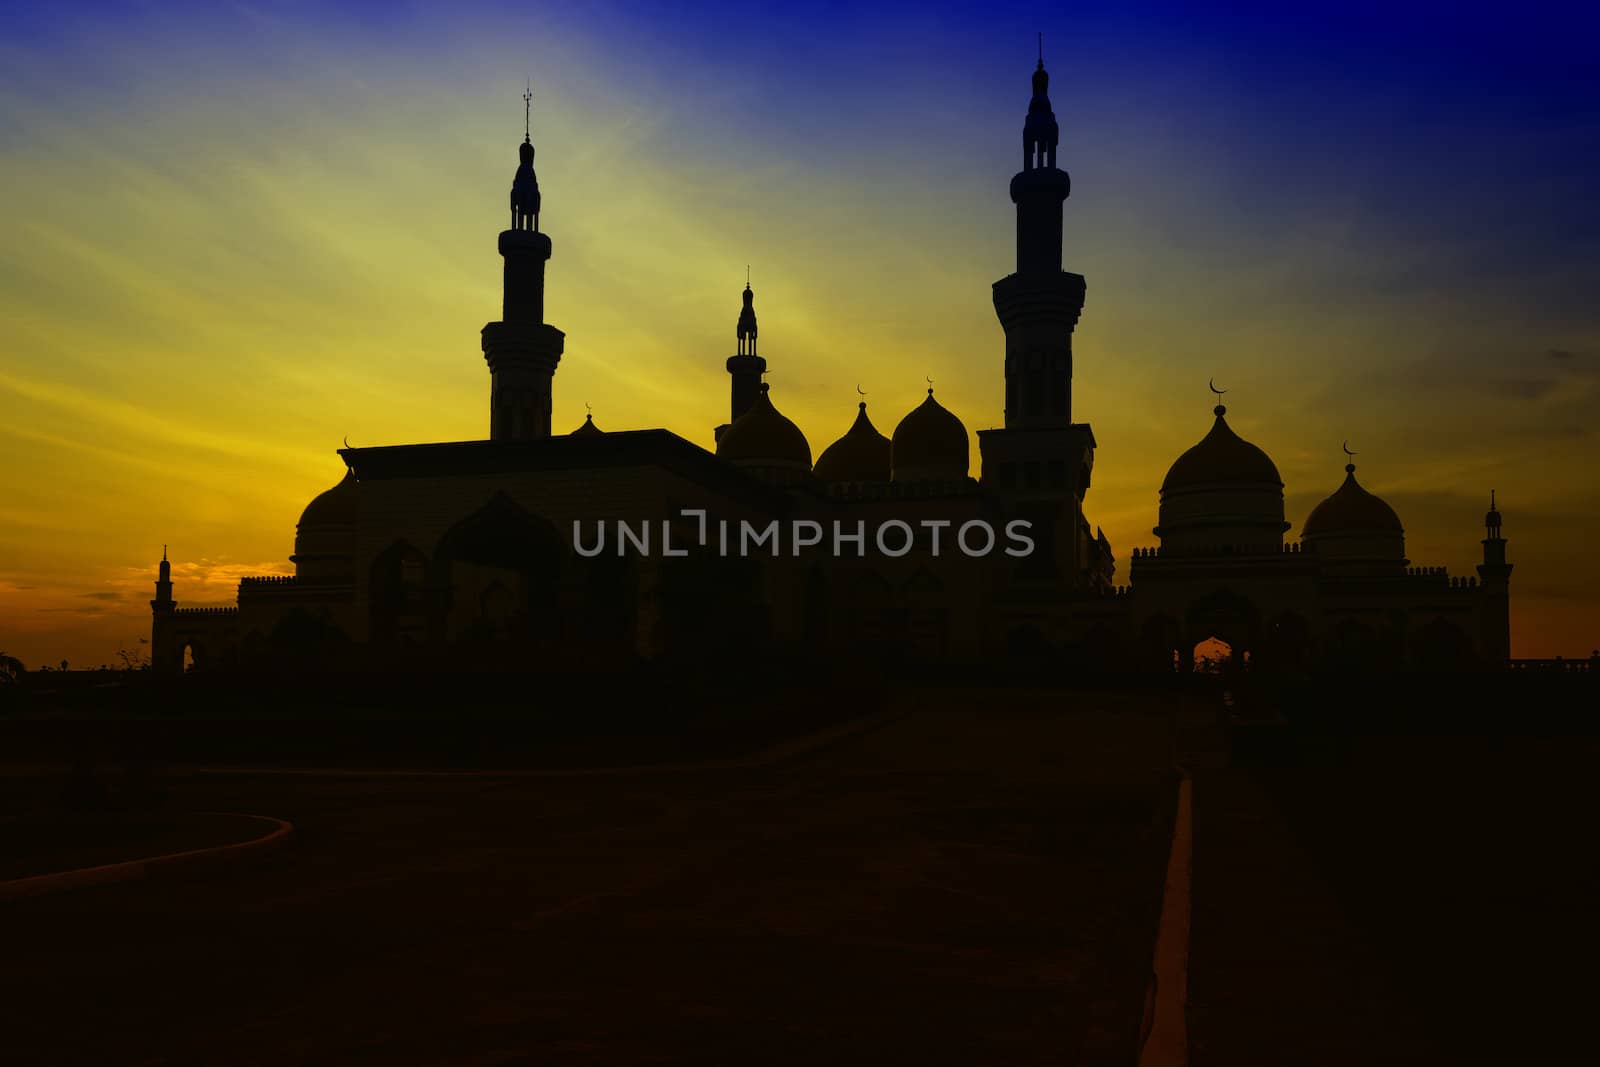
(1494, 574)
(162, 610)
(522, 349)
(1039, 461)
(1038, 305)
(745, 368)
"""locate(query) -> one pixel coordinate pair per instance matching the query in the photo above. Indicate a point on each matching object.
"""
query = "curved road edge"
(129, 870)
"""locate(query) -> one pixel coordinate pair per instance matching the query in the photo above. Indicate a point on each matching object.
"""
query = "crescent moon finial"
(859, 390)
(347, 440)
(1346, 447)
(1212, 383)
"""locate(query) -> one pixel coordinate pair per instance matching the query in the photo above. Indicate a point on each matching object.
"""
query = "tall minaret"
(1039, 305)
(1039, 462)
(1495, 575)
(522, 349)
(162, 610)
(745, 368)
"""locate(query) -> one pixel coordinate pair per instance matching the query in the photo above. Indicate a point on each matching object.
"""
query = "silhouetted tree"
(135, 659)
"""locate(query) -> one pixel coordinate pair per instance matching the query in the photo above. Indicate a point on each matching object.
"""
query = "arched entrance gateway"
(1227, 625)
(495, 575)
(1213, 655)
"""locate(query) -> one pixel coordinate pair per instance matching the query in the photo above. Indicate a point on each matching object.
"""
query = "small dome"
(1221, 457)
(588, 429)
(333, 507)
(929, 444)
(325, 539)
(1351, 509)
(861, 455)
(763, 437)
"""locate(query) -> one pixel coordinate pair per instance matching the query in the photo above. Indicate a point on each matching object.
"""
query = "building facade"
(596, 547)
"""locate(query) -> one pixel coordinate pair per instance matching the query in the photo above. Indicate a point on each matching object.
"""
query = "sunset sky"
(232, 234)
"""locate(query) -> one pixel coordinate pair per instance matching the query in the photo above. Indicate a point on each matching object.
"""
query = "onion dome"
(766, 442)
(1224, 495)
(1351, 509)
(861, 455)
(588, 429)
(332, 507)
(325, 538)
(1222, 456)
(930, 444)
(1355, 530)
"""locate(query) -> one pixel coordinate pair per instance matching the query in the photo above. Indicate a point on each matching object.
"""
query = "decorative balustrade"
(1291, 548)
(1559, 664)
(267, 579)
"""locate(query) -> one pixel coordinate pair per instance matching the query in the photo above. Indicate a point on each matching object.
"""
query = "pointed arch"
(496, 573)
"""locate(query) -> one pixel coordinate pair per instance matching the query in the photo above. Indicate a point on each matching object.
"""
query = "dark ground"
(1400, 897)
(975, 883)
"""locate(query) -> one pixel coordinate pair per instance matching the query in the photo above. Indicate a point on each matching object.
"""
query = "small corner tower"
(522, 350)
(163, 656)
(1495, 575)
(745, 367)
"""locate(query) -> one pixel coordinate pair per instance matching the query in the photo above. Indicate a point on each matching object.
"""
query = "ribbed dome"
(333, 507)
(861, 455)
(1351, 509)
(1221, 457)
(588, 429)
(763, 437)
(929, 444)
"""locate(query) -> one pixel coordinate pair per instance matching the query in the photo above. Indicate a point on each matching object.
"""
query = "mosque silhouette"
(469, 554)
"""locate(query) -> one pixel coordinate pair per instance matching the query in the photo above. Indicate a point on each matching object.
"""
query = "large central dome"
(1221, 457)
(1224, 494)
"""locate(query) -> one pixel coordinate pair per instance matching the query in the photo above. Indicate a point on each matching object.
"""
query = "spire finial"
(929, 380)
(1491, 501)
(1349, 468)
(1219, 410)
(527, 113)
(1041, 49)
(164, 550)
